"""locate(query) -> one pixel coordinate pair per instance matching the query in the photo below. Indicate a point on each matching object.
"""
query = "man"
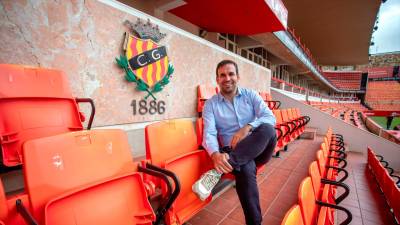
(390, 120)
(239, 120)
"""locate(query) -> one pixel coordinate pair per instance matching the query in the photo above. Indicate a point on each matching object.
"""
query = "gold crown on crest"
(145, 30)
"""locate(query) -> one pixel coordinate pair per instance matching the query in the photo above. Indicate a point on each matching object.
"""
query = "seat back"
(166, 140)
(34, 103)
(278, 116)
(285, 116)
(395, 201)
(173, 146)
(58, 164)
(293, 216)
(309, 209)
(315, 178)
(199, 131)
(120, 200)
(204, 92)
(321, 163)
(3, 203)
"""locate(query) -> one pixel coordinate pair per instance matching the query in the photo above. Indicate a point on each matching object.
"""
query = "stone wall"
(381, 60)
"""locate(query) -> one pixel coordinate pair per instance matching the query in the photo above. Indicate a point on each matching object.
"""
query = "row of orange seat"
(205, 92)
(384, 177)
(88, 177)
(317, 192)
(289, 122)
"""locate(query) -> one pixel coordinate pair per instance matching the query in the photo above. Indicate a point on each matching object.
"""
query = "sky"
(387, 37)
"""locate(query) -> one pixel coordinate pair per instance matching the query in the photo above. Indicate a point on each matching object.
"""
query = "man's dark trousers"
(256, 149)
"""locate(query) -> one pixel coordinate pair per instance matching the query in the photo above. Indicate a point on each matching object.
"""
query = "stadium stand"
(344, 80)
(385, 179)
(383, 95)
(380, 72)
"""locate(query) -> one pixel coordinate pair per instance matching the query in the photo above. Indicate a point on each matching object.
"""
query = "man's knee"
(267, 130)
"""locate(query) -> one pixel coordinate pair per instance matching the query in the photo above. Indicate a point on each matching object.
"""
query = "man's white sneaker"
(206, 183)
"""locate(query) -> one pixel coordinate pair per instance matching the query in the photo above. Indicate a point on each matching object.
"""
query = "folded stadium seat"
(334, 143)
(334, 156)
(327, 171)
(173, 145)
(335, 137)
(380, 160)
(204, 92)
(296, 121)
(388, 186)
(283, 141)
(268, 100)
(35, 102)
(3, 203)
(303, 121)
(306, 119)
(293, 216)
(315, 211)
(324, 189)
(292, 124)
(394, 201)
(107, 190)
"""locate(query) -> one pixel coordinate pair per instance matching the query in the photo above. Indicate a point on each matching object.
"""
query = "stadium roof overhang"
(337, 32)
(234, 17)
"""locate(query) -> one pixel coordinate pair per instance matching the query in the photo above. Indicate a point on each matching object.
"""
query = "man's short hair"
(226, 62)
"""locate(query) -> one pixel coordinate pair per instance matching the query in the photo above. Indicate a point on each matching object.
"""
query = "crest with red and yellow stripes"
(147, 60)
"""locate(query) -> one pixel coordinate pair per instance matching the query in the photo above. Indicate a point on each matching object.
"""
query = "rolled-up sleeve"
(210, 138)
(263, 113)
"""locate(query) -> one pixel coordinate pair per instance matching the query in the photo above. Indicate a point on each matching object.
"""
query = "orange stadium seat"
(388, 186)
(324, 189)
(62, 191)
(310, 210)
(204, 92)
(34, 102)
(3, 203)
(293, 216)
(328, 171)
(268, 100)
(173, 145)
(283, 127)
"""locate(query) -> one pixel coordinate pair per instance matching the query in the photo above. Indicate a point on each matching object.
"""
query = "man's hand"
(220, 161)
(239, 135)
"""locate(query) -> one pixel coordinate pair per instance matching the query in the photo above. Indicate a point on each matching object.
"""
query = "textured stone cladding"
(82, 38)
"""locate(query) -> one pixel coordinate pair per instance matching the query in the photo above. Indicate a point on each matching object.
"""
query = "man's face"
(227, 79)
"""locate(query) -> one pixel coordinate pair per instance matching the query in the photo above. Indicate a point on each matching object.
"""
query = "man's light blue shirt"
(222, 119)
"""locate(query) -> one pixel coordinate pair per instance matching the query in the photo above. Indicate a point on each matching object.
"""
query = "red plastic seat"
(3, 203)
(310, 207)
(173, 145)
(394, 199)
(204, 92)
(118, 200)
(285, 129)
(268, 100)
(293, 216)
(61, 190)
(34, 102)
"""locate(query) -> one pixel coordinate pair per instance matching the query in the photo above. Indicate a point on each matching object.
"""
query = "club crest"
(145, 62)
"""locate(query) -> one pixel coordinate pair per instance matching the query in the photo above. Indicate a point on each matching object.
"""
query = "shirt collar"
(222, 98)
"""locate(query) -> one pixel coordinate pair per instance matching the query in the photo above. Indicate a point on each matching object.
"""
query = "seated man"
(240, 120)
